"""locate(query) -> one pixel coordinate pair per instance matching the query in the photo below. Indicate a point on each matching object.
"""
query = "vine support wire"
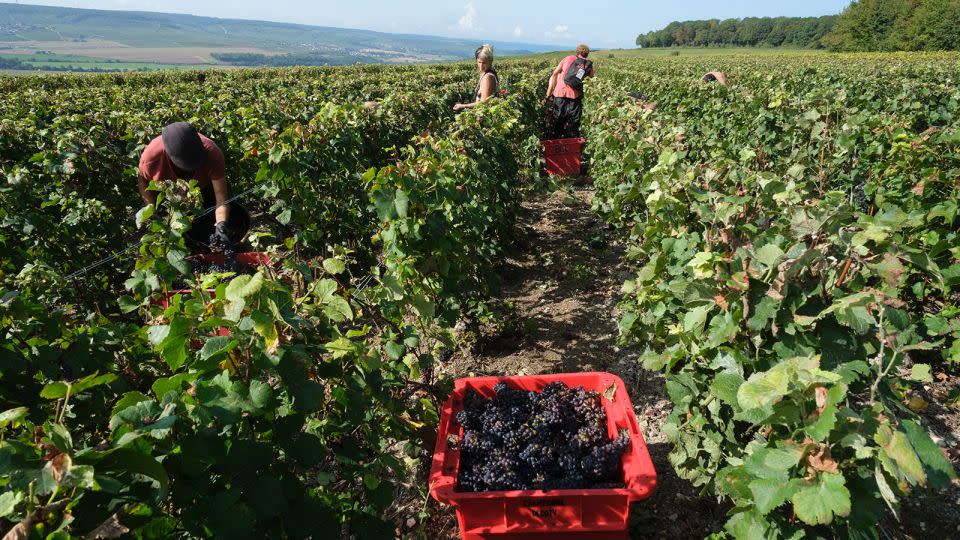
(136, 245)
(363, 283)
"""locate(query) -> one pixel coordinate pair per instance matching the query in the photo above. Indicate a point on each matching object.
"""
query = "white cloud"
(468, 22)
(518, 31)
(559, 31)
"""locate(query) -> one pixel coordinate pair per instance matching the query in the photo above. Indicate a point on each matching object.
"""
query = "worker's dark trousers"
(565, 119)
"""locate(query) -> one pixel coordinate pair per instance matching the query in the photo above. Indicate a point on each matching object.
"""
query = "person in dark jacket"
(567, 100)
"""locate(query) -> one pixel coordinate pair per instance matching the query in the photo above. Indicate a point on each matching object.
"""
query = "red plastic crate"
(575, 514)
(164, 298)
(250, 258)
(562, 156)
(164, 302)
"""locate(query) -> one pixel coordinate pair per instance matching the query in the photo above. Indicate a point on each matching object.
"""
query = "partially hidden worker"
(180, 152)
(715, 76)
(565, 89)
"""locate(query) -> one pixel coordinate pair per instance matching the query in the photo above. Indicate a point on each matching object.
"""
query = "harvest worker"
(715, 76)
(566, 90)
(489, 83)
(180, 152)
(643, 101)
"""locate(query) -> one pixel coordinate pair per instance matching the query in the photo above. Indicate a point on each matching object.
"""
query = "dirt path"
(558, 301)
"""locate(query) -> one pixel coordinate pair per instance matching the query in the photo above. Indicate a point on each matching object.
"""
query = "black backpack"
(578, 70)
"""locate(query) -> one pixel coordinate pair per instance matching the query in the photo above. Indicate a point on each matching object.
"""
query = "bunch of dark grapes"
(860, 198)
(229, 264)
(553, 439)
(223, 247)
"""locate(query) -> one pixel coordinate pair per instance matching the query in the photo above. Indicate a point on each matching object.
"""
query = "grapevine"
(793, 235)
(782, 229)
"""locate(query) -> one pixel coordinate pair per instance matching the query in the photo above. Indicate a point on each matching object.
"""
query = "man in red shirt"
(180, 152)
(568, 99)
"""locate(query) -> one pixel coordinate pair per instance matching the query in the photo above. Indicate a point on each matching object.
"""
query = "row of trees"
(279, 60)
(12, 63)
(897, 25)
(865, 25)
(749, 32)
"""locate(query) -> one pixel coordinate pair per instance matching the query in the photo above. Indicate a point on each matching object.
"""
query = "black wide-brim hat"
(183, 146)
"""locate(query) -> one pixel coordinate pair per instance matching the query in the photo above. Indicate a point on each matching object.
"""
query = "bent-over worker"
(180, 152)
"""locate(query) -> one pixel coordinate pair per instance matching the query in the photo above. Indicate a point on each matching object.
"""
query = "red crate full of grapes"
(576, 514)
(562, 156)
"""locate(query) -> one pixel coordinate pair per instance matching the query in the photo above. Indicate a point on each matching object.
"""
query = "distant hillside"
(800, 32)
(146, 36)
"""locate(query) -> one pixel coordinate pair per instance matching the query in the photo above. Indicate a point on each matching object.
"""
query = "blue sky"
(600, 23)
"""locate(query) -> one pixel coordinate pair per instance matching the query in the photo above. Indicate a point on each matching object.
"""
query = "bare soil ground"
(558, 314)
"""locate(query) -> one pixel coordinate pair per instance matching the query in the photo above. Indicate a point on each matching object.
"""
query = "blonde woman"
(489, 82)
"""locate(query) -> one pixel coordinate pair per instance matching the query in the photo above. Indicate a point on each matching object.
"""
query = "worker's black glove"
(220, 239)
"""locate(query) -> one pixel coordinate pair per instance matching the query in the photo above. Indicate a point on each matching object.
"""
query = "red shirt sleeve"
(151, 161)
(216, 166)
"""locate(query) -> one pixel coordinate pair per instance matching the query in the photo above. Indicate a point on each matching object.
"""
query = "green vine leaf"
(818, 503)
(769, 493)
(9, 501)
(896, 446)
(763, 389)
(771, 463)
(243, 286)
(921, 373)
(941, 472)
(725, 388)
(334, 266)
